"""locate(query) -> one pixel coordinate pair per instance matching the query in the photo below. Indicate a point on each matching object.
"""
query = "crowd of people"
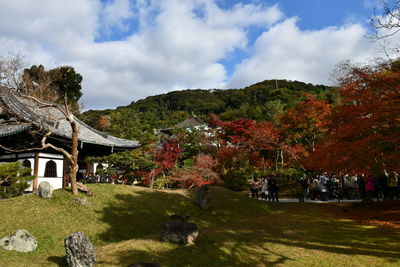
(356, 186)
(91, 178)
(268, 188)
(333, 187)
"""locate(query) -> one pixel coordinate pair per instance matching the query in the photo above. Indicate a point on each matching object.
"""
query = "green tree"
(13, 179)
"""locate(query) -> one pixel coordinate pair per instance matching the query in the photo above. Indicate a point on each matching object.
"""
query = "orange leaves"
(365, 130)
(307, 122)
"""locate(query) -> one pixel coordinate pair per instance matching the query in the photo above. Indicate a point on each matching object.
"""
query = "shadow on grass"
(60, 261)
(140, 214)
(234, 236)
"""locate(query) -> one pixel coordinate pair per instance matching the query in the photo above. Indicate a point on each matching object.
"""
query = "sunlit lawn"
(124, 223)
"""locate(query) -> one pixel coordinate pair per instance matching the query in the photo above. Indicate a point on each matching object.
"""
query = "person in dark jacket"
(272, 190)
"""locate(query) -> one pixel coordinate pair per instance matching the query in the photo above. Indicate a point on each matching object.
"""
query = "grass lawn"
(124, 222)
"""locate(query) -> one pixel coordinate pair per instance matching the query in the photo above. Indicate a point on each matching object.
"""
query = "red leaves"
(307, 122)
(200, 174)
(365, 130)
(169, 153)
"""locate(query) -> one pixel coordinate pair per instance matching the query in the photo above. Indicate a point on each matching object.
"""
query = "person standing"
(254, 187)
(304, 186)
(264, 189)
(272, 190)
(323, 183)
(392, 185)
(315, 188)
(346, 185)
(369, 187)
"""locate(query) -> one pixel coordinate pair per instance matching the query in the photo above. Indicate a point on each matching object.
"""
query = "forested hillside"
(261, 101)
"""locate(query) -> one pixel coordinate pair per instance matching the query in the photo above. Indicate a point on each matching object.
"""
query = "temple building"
(23, 124)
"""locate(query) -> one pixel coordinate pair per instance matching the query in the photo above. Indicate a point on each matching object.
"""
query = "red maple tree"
(365, 130)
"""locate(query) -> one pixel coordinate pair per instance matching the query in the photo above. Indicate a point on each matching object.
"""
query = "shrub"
(13, 179)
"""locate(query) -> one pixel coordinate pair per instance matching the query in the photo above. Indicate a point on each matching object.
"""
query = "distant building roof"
(29, 113)
(189, 122)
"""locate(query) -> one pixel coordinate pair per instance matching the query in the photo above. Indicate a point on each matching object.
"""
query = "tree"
(365, 129)
(13, 179)
(67, 82)
(387, 23)
(201, 173)
(166, 156)
(53, 85)
(130, 165)
(307, 122)
(104, 122)
(10, 70)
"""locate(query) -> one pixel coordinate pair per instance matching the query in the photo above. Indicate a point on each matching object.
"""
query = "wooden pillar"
(35, 172)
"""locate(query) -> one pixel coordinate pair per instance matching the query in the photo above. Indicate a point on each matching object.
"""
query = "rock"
(180, 217)
(82, 201)
(83, 188)
(80, 251)
(45, 190)
(21, 241)
(145, 264)
(204, 197)
(180, 233)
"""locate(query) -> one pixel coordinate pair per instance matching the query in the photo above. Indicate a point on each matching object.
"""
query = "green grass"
(124, 223)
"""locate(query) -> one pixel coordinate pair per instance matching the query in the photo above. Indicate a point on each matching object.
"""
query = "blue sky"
(130, 49)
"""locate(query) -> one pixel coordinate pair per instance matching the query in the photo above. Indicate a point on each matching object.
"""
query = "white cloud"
(286, 52)
(115, 13)
(177, 45)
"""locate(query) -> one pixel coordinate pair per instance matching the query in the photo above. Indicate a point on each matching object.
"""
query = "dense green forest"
(263, 101)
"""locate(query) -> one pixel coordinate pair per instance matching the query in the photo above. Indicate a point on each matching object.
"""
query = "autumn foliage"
(364, 133)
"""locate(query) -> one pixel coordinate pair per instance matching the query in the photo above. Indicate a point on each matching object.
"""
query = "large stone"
(45, 190)
(80, 251)
(179, 233)
(21, 241)
(204, 197)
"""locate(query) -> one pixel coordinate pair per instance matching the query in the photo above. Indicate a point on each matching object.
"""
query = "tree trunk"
(74, 157)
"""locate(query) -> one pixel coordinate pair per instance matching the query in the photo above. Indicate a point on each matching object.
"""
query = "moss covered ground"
(124, 222)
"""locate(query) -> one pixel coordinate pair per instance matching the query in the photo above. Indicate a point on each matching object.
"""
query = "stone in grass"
(21, 241)
(80, 251)
(82, 201)
(204, 197)
(179, 233)
(45, 190)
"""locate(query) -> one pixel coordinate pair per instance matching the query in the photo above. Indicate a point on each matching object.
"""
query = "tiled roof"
(30, 113)
(190, 122)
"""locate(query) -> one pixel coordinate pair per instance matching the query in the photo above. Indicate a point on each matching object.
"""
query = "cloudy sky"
(130, 49)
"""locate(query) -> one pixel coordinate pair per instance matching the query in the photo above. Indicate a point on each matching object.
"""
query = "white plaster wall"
(56, 182)
(42, 167)
(97, 164)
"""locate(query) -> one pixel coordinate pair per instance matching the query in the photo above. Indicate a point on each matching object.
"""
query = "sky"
(127, 50)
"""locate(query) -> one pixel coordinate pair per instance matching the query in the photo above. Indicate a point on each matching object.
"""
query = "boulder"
(82, 201)
(204, 197)
(179, 233)
(21, 241)
(45, 190)
(80, 251)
